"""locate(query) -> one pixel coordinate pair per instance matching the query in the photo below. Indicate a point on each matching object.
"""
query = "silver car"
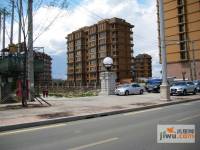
(127, 89)
(183, 88)
(197, 83)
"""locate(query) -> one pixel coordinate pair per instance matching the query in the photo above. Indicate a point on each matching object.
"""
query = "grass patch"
(75, 94)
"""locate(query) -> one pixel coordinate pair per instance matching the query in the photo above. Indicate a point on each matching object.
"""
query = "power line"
(62, 5)
(89, 11)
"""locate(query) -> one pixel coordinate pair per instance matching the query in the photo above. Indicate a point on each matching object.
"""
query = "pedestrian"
(43, 92)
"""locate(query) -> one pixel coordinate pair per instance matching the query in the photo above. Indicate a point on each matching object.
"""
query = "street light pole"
(193, 61)
(164, 88)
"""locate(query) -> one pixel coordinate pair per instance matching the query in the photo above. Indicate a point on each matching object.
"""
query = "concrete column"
(107, 83)
(0, 88)
(164, 88)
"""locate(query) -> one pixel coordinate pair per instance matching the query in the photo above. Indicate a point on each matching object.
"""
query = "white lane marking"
(94, 144)
(142, 111)
(31, 129)
(188, 118)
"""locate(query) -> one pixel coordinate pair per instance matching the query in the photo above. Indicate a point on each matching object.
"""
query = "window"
(93, 62)
(93, 50)
(102, 35)
(78, 47)
(180, 10)
(182, 46)
(180, 2)
(181, 28)
(93, 37)
(115, 39)
(102, 41)
(93, 43)
(78, 59)
(180, 19)
(115, 32)
(182, 37)
(102, 47)
(113, 25)
(92, 69)
(135, 85)
(102, 55)
(78, 42)
(77, 65)
(78, 53)
(92, 56)
(182, 55)
(77, 35)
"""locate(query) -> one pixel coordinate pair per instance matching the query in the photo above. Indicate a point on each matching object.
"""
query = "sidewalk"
(14, 114)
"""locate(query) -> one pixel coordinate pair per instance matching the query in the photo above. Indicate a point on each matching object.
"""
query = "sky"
(79, 13)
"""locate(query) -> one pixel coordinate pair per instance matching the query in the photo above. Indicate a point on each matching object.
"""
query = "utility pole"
(0, 25)
(20, 24)
(12, 21)
(24, 89)
(0, 50)
(164, 88)
(30, 50)
(4, 28)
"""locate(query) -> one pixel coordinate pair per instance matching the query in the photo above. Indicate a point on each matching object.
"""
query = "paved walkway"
(11, 114)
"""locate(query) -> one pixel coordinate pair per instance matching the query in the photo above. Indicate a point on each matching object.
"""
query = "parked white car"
(183, 87)
(127, 89)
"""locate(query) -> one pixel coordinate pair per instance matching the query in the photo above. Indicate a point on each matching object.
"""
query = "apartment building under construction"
(143, 66)
(88, 46)
(43, 78)
(182, 38)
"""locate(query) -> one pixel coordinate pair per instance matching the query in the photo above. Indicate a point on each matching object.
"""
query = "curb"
(89, 116)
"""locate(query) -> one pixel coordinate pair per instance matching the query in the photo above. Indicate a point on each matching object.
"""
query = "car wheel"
(184, 92)
(126, 93)
(195, 91)
(141, 92)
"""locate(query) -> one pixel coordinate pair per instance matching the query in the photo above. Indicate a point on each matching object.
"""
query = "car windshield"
(154, 83)
(196, 82)
(120, 86)
(179, 84)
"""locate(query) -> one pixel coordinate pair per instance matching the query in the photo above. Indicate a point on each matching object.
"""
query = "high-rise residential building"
(88, 46)
(182, 38)
(43, 77)
(143, 66)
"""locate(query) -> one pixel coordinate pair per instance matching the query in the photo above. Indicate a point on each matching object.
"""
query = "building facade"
(43, 77)
(143, 66)
(88, 46)
(182, 38)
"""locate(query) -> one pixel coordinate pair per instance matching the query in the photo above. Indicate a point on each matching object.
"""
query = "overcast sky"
(79, 13)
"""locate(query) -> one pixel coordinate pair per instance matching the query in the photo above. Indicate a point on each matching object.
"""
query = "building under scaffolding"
(13, 71)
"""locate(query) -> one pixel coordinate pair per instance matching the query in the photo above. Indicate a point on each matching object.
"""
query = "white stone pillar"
(107, 83)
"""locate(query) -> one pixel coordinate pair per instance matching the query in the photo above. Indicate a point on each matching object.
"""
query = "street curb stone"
(88, 116)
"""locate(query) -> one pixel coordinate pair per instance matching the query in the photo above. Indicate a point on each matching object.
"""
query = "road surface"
(129, 131)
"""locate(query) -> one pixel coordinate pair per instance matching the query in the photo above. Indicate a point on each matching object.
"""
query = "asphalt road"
(130, 131)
